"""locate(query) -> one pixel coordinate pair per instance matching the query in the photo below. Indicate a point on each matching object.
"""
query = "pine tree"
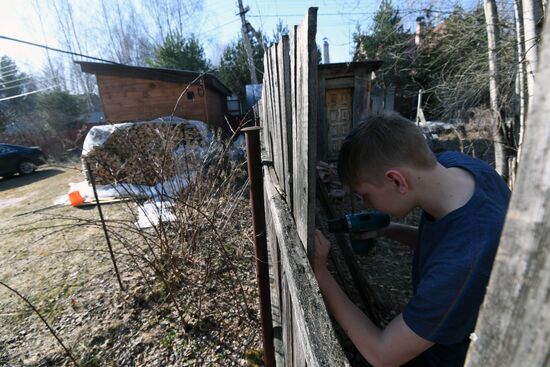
(178, 52)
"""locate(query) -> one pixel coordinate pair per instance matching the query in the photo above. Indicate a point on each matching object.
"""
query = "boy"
(387, 162)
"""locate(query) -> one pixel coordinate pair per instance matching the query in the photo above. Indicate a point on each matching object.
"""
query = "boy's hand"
(322, 248)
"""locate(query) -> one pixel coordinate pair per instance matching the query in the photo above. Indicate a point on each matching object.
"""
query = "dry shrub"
(203, 259)
(474, 137)
(53, 145)
(480, 125)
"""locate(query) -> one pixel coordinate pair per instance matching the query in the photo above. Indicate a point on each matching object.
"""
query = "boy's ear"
(398, 179)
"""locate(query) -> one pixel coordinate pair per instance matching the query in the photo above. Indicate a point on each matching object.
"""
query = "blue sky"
(216, 26)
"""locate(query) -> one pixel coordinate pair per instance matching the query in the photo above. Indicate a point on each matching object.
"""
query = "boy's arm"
(402, 233)
(393, 346)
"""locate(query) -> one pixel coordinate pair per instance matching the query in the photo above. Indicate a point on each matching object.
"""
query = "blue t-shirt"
(452, 264)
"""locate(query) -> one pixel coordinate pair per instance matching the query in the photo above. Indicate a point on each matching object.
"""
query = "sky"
(216, 26)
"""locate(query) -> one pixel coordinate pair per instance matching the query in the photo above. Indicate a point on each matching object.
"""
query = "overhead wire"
(218, 27)
(47, 48)
(14, 86)
(28, 93)
(11, 67)
(14, 80)
(58, 50)
(15, 72)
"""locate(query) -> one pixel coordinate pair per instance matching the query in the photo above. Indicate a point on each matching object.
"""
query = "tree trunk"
(532, 22)
(513, 328)
(520, 78)
(491, 18)
(520, 109)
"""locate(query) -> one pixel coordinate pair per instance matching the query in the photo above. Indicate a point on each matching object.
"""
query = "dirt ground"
(40, 263)
(64, 269)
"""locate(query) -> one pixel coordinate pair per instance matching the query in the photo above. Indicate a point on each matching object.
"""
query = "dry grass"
(190, 299)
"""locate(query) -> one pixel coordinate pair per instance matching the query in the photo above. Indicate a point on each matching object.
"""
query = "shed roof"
(348, 67)
(168, 75)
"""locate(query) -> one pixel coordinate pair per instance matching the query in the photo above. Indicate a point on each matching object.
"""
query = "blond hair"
(381, 142)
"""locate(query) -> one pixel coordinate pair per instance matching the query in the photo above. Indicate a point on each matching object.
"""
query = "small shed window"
(190, 95)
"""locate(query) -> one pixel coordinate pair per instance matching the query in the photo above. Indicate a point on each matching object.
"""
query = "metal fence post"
(254, 163)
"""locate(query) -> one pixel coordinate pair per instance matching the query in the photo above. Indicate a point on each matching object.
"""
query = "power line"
(26, 94)
(301, 15)
(5, 68)
(58, 50)
(12, 74)
(402, 11)
(218, 27)
(15, 86)
(14, 80)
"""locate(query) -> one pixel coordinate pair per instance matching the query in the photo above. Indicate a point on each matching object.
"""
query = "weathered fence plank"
(513, 327)
(308, 336)
(270, 102)
(264, 117)
(304, 124)
(275, 281)
(277, 128)
(283, 60)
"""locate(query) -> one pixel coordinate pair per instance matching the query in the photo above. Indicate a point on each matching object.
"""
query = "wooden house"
(344, 100)
(132, 93)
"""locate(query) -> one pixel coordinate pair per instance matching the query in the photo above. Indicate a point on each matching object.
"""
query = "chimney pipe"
(420, 26)
(326, 57)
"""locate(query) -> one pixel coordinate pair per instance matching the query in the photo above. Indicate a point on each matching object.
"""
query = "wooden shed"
(132, 93)
(344, 100)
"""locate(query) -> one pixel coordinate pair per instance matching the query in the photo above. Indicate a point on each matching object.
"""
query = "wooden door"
(338, 112)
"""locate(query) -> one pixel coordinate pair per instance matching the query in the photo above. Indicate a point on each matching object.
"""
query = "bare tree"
(491, 18)
(532, 22)
(128, 40)
(173, 16)
(127, 31)
(73, 42)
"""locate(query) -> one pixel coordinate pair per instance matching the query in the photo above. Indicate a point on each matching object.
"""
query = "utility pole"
(247, 45)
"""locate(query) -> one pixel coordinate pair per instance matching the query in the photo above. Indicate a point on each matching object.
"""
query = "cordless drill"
(364, 221)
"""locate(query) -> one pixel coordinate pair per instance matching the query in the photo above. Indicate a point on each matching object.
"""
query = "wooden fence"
(288, 115)
(513, 328)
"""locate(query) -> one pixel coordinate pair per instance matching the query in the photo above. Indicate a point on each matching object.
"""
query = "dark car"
(16, 158)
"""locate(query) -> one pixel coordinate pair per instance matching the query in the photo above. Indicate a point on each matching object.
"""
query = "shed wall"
(217, 109)
(132, 99)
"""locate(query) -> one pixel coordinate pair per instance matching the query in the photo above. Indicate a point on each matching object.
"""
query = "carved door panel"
(338, 108)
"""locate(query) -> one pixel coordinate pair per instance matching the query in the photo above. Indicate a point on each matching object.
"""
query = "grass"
(188, 285)
(38, 259)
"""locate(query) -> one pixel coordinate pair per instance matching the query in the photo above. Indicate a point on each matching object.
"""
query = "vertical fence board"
(281, 112)
(305, 126)
(286, 314)
(275, 282)
(286, 114)
(307, 329)
(266, 118)
(299, 357)
(271, 103)
(276, 133)
(293, 112)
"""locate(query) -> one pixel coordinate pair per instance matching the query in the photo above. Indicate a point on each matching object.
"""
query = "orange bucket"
(75, 198)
